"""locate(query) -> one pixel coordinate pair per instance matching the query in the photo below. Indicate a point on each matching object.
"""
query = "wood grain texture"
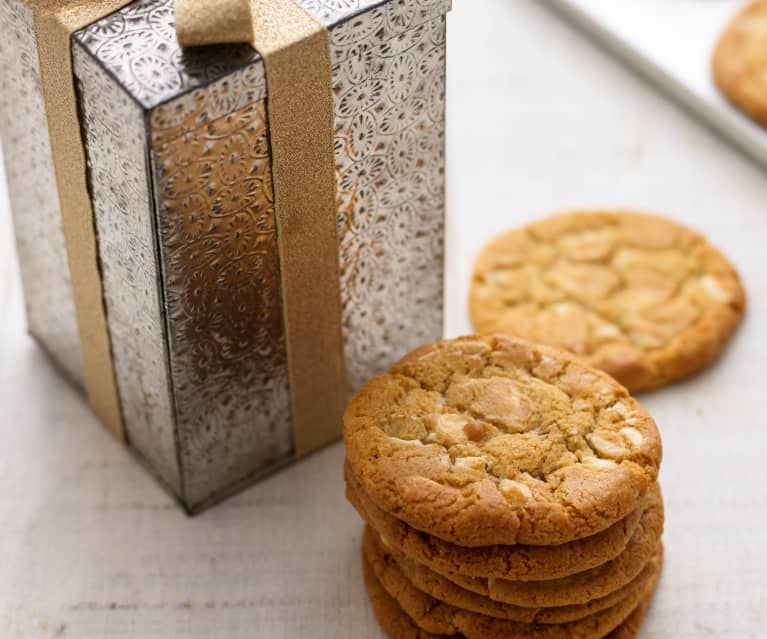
(91, 547)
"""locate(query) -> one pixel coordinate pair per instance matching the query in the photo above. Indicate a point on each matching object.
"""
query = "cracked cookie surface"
(401, 568)
(511, 562)
(739, 64)
(637, 295)
(486, 440)
(406, 615)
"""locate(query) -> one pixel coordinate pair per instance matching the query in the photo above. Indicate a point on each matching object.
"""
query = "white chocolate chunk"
(596, 462)
(633, 435)
(629, 416)
(411, 442)
(563, 309)
(646, 341)
(621, 409)
(471, 463)
(607, 330)
(606, 448)
(515, 490)
(549, 366)
(714, 289)
(450, 428)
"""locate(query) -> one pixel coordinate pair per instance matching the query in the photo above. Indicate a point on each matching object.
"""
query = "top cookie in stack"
(510, 491)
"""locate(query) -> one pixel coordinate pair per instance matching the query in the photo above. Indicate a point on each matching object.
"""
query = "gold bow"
(201, 22)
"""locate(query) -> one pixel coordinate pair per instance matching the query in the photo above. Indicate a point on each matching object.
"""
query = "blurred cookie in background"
(740, 61)
(637, 295)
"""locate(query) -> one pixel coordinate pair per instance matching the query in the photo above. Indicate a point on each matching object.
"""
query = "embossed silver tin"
(179, 168)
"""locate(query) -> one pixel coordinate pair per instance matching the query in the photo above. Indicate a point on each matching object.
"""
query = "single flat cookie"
(639, 296)
(397, 625)
(487, 440)
(511, 562)
(418, 577)
(582, 587)
(435, 619)
(740, 61)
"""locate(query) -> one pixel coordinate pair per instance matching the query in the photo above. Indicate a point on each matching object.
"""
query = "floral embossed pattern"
(209, 161)
(137, 45)
(116, 147)
(390, 156)
(330, 11)
(389, 143)
(32, 191)
(222, 284)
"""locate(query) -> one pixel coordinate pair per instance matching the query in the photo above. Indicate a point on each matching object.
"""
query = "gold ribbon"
(296, 52)
(54, 22)
(295, 48)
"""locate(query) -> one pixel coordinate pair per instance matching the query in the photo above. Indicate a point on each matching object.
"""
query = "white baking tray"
(671, 42)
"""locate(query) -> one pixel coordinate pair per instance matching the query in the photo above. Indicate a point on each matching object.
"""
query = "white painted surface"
(671, 41)
(540, 120)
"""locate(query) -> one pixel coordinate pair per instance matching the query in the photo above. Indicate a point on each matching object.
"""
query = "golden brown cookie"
(398, 625)
(630, 628)
(387, 611)
(511, 562)
(740, 61)
(582, 587)
(435, 618)
(439, 588)
(639, 296)
(487, 440)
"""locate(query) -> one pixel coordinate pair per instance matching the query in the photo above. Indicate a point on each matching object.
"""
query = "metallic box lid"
(137, 45)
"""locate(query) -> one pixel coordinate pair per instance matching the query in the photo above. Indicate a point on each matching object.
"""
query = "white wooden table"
(540, 119)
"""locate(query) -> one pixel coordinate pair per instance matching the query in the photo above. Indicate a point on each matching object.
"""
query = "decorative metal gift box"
(179, 173)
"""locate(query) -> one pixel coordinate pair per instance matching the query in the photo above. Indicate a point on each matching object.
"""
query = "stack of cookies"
(509, 491)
